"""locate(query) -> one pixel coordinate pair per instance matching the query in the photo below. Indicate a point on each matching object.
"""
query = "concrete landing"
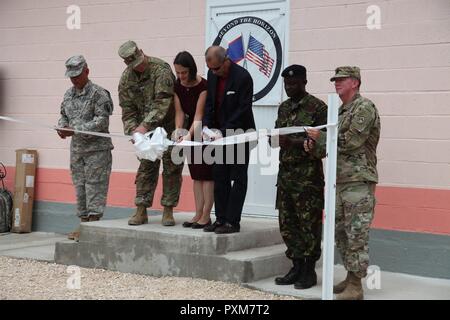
(40, 246)
(392, 286)
(257, 252)
(37, 245)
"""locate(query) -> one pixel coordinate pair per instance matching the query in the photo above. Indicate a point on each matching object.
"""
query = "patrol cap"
(294, 71)
(75, 65)
(131, 54)
(347, 72)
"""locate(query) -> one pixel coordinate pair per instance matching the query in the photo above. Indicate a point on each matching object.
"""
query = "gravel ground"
(34, 280)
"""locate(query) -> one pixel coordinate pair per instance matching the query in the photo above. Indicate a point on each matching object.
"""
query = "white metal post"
(330, 198)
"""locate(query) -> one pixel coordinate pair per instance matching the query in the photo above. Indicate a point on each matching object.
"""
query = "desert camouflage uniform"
(147, 99)
(300, 181)
(90, 156)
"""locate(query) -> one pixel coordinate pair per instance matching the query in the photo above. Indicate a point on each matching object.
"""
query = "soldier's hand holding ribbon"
(313, 135)
(64, 133)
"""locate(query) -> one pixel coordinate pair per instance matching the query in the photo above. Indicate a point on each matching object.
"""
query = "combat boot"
(75, 235)
(94, 218)
(341, 285)
(167, 218)
(293, 275)
(309, 276)
(353, 290)
(139, 217)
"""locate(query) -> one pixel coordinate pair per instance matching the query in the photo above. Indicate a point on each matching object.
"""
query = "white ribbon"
(153, 144)
(92, 133)
(151, 147)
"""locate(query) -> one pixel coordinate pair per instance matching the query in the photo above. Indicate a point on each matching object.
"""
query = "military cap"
(75, 65)
(294, 71)
(347, 72)
(130, 52)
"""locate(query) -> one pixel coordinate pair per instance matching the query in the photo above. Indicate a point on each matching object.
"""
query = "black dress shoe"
(197, 225)
(227, 228)
(212, 227)
(188, 224)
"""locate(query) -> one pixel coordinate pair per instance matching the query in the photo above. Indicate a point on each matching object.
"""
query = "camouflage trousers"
(147, 179)
(300, 220)
(90, 176)
(355, 204)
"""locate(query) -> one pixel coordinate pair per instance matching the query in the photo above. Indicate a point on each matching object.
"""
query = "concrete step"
(260, 263)
(238, 266)
(254, 233)
(36, 245)
(256, 252)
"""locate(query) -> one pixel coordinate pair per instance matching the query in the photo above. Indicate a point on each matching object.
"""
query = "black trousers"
(230, 185)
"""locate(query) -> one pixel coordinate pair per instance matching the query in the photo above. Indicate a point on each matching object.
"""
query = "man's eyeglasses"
(217, 68)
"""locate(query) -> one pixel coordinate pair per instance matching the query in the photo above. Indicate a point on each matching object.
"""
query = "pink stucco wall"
(405, 69)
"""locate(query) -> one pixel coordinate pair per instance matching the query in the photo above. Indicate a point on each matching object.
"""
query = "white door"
(256, 33)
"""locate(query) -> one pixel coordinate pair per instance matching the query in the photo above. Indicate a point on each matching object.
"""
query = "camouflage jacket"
(359, 133)
(148, 99)
(297, 167)
(88, 110)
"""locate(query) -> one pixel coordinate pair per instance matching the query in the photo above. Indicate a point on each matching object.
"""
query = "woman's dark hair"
(186, 60)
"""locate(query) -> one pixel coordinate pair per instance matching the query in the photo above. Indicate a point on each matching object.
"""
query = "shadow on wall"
(2, 112)
(2, 92)
(9, 176)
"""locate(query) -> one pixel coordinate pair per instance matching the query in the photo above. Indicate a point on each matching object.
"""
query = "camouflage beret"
(294, 71)
(75, 65)
(347, 72)
(131, 54)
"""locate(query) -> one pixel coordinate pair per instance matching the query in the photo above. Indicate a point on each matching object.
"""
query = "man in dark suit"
(228, 108)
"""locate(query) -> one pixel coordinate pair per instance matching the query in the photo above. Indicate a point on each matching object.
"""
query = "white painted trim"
(220, 3)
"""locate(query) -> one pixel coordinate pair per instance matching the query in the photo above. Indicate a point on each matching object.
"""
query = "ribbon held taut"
(153, 144)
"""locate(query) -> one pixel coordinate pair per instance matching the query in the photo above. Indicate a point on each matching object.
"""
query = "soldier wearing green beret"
(300, 180)
(87, 107)
(146, 95)
(358, 136)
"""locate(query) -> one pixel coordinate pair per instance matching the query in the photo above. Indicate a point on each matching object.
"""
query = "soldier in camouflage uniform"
(87, 107)
(300, 181)
(359, 132)
(146, 95)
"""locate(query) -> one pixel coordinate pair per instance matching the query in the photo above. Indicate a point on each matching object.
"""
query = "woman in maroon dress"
(190, 97)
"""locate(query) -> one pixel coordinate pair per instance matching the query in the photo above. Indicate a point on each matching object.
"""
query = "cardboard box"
(26, 164)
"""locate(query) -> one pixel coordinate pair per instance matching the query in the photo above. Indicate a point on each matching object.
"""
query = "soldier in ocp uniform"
(358, 136)
(146, 95)
(87, 107)
(300, 180)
